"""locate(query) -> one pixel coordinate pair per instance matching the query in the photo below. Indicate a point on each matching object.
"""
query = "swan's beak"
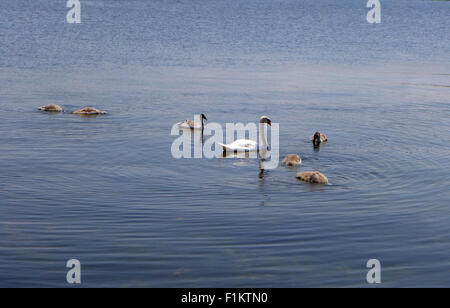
(269, 122)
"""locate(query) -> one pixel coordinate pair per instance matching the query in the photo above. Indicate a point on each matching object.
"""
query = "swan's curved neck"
(262, 136)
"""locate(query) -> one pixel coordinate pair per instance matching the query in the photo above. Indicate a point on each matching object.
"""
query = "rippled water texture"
(107, 191)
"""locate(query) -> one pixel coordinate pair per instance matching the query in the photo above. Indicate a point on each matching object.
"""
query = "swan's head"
(203, 117)
(266, 120)
(317, 139)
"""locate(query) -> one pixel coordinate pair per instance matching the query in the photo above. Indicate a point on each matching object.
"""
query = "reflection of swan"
(313, 177)
(239, 155)
(192, 124)
(292, 160)
(246, 145)
(51, 108)
(318, 138)
(89, 111)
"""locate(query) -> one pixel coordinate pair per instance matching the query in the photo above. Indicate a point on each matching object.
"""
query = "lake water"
(107, 191)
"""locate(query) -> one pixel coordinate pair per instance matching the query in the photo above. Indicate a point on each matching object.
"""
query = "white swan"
(246, 145)
(192, 124)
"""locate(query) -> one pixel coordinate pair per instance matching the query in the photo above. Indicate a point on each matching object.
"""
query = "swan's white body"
(247, 145)
(241, 145)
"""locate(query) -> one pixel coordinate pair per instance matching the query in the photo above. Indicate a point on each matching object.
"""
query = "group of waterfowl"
(87, 111)
(247, 145)
(240, 145)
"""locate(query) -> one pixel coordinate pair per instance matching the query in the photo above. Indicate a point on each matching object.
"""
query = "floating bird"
(192, 124)
(246, 145)
(313, 177)
(51, 108)
(318, 138)
(292, 160)
(89, 111)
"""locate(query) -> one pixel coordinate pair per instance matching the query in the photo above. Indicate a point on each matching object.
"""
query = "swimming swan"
(192, 124)
(246, 145)
(292, 160)
(51, 108)
(318, 138)
(89, 111)
(313, 177)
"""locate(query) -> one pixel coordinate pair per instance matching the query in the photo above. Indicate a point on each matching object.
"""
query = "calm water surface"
(107, 191)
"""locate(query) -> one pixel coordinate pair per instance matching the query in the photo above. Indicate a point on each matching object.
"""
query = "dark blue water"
(107, 191)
